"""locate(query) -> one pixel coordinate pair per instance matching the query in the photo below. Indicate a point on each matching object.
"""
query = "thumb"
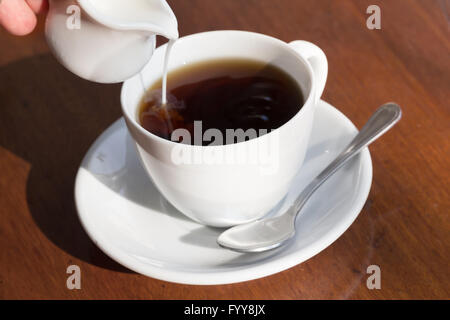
(17, 17)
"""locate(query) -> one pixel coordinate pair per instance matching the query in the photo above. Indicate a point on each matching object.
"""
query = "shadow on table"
(50, 117)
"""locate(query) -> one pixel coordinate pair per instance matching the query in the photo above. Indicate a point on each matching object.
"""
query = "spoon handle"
(381, 121)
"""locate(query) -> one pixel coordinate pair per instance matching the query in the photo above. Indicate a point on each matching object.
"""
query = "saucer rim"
(244, 273)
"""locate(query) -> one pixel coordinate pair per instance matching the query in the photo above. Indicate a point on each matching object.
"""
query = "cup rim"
(274, 40)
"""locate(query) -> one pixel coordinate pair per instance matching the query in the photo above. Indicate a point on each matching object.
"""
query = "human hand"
(19, 16)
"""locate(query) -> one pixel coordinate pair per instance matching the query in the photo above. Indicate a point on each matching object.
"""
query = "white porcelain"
(115, 39)
(226, 194)
(125, 215)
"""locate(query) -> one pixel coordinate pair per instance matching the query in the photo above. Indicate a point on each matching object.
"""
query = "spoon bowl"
(260, 235)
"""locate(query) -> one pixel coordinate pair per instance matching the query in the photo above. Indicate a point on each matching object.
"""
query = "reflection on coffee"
(222, 94)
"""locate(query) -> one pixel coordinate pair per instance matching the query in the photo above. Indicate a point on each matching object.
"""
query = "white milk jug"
(107, 41)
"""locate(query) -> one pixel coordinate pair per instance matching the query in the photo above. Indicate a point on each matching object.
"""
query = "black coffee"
(222, 94)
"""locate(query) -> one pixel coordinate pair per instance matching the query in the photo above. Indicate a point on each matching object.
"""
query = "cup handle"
(318, 61)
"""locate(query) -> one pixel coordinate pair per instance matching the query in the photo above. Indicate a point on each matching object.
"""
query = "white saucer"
(131, 222)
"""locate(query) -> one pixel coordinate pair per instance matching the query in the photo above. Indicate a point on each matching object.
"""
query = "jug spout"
(153, 16)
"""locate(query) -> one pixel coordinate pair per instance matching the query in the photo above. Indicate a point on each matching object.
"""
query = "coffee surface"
(222, 94)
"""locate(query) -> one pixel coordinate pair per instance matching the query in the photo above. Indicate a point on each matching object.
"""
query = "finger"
(38, 6)
(17, 17)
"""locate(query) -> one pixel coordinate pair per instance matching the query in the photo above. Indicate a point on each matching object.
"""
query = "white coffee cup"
(237, 190)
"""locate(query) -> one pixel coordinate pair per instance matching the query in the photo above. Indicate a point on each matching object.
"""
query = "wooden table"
(49, 118)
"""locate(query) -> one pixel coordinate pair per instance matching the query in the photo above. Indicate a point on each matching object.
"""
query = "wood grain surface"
(49, 118)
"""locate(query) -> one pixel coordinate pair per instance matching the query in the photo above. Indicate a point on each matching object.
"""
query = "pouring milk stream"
(113, 39)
